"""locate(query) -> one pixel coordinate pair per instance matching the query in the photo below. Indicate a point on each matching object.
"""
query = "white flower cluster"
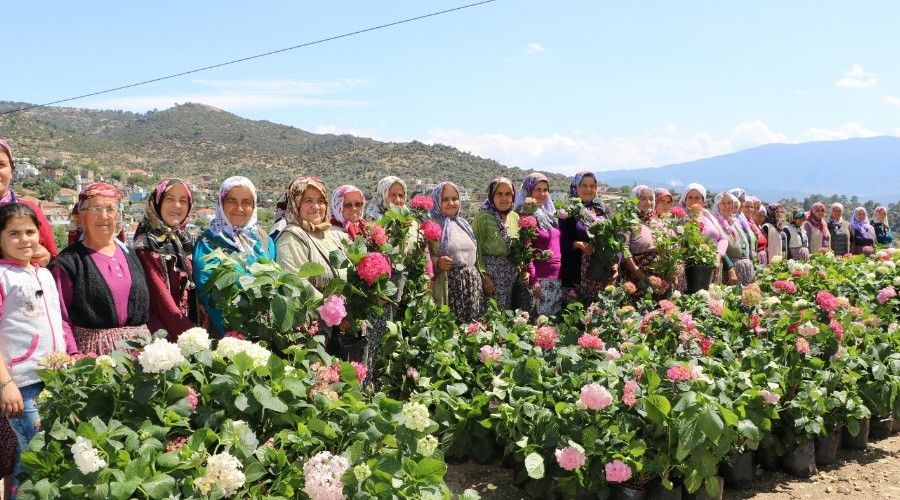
(776, 259)
(886, 267)
(414, 416)
(193, 341)
(322, 475)
(159, 356)
(106, 362)
(222, 469)
(229, 347)
(799, 267)
(361, 472)
(87, 458)
(245, 434)
(426, 445)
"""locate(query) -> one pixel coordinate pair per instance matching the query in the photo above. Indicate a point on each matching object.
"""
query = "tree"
(61, 236)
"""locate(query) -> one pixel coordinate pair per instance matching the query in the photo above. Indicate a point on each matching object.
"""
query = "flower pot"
(827, 447)
(738, 472)
(657, 491)
(600, 268)
(697, 278)
(801, 461)
(701, 494)
(880, 427)
(629, 493)
(857, 442)
(767, 457)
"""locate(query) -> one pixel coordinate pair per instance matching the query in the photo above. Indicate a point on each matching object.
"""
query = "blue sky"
(538, 84)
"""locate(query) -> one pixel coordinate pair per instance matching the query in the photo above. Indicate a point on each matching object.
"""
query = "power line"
(257, 56)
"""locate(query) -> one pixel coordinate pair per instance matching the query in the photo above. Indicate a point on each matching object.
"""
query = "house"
(66, 196)
(58, 215)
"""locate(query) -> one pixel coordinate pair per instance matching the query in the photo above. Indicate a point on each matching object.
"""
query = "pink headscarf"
(337, 203)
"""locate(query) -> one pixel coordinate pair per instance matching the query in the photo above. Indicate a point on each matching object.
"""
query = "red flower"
(379, 237)
(545, 338)
(590, 342)
(431, 230)
(361, 370)
(706, 344)
(827, 301)
(236, 334)
(678, 212)
(373, 266)
(527, 222)
(422, 202)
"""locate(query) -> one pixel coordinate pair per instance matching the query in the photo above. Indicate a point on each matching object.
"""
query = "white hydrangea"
(193, 341)
(222, 469)
(322, 476)
(897, 281)
(414, 416)
(361, 472)
(229, 347)
(703, 294)
(87, 458)
(772, 301)
(159, 356)
(426, 445)
(106, 362)
(776, 259)
(245, 433)
(800, 303)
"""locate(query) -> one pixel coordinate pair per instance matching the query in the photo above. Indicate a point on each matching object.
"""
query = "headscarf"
(446, 220)
(155, 235)
(863, 228)
(491, 207)
(660, 192)
(244, 237)
(9, 196)
(837, 205)
(727, 223)
(815, 220)
(337, 203)
(738, 193)
(691, 187)
(882, 209)
(380, 198)
(596, 205)
(292, 211)
(645, 215)
(546, 213)
(772, 215)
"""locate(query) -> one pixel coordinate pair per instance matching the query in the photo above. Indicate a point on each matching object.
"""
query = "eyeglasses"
(100, 210)
(357, 204)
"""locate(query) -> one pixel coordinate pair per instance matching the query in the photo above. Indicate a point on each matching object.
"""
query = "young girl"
(30, 321)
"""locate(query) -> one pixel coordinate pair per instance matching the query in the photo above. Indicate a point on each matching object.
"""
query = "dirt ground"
(870, 474)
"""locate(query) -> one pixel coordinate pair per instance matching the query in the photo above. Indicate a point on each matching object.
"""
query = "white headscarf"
(380, 199)
(241, 237)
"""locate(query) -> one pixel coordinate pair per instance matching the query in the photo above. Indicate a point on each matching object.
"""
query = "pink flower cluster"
(594, 397)
(802, 346)
(591, 342)
(527, 222)
(886, 294)
(827, 301)
(361, 370)
(332, 311)
(717, 306)
(489, 352)
(629, 393)
(769, 397)
(326, 375)
(412, 373)
(373, 266)
(807, 330)
(422, 202)
(706, 344)
(680, 373)
(378, 235)
(431, 230)
(784, 286)
(617, 471)
(678, 212)
(570, 458)
(613, 354)
(192, 398)
(629, 287)
(475, 327)
(545, 337)
(837, 328)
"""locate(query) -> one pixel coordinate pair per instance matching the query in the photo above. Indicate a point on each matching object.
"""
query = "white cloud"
(534, 48)
(856, 78)
(846, 131)
(244, 94)
(891, 100)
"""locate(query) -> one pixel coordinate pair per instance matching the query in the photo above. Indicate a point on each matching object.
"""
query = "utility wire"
(257, 56)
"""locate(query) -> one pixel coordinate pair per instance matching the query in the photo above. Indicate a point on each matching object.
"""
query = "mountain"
(206, 145)
(867, 168)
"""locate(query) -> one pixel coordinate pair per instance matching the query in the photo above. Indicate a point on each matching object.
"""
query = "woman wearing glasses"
(102, 290)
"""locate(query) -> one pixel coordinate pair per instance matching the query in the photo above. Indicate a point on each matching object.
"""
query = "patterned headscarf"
(9, 196)
(577, 179)
(738, 193)
(882, 210)
(295, 192)
(446, 220)
(337, 204)
(492, 188)
(380, 199)
(546, 213)
(155, 235)
(644, 215)
(244, 237)
(837, 205)
(660, 192)
(864, 228)
(772, 215)
(815, 220)
(727, 223)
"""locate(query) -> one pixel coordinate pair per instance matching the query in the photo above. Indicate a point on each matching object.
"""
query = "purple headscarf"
(546, 213)
(863, 228)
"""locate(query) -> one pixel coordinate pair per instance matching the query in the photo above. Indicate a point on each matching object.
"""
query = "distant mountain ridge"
(866, 167)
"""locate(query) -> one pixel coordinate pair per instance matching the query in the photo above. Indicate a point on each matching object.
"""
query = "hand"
(585, 248)
(487, 283)
(41, 256)
(444, 263)
(732, 276)
(537, 291)
(11, 401)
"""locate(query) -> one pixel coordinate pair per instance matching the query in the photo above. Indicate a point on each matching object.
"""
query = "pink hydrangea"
(837, 328)
(527, 222)
(545, 337)
(333, 310)
(679, 373)
(431, 230)
(770, 397)
(886, 294)
(678, 212)
(373, 266)
(807, 330)
(717, 306)
(192, 398)
(706, 344)
(826, 300)
(379, 236)
(629, 393)
(629, 287)
(667, 306)
(784, 286)
(489, 352)
(590, 341)
(361, 370)
(562, 214)
(617, 471)
(570, 458)
(613, 354)
(802, 346)
(422, 202)
(639, 372)
(475, 327)
(176, 443)
(327, 375)
(412, 373)
(594, 397)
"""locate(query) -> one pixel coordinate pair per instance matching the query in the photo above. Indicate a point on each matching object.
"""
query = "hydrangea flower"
(571, 457)
(414, 416)
(769, 397)
(431, 231)
(488, 352)
(426, 445)
(194, 340)
(594, 397)
(591, 342)
(322, 474)
(333, 311)
(86, 457)
(222, 469)
(545, 337)
(373, 266)
(617, 471)
(159, 356)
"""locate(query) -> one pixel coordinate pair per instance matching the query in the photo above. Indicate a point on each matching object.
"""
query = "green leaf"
(168, 461)
(457, 389)
(689, 437)
(321, 427)
(534, 464)
(310, 269)
(267, 400)
(749, 430)
(124, 489)
(528, 373)
(431, 470)
(283, 313)
(658, 408)
(159, 486)
(710, 424)
(240, 402)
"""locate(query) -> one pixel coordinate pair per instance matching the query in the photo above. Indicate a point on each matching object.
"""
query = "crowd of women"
(98, 291)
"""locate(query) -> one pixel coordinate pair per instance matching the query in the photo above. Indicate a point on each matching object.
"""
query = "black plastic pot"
(697, 278)
(767, 457)
(880, 427)
(801, 461)
(628, 493)
(657, 491)
(702, 495)
(827, 447)
(600, 268)
(857, 442)
(738, 472)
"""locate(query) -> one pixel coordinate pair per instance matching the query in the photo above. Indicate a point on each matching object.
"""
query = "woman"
(458, 283)
(234, 230)
(390, 191)
(757, 237)
(839, 230)
(797, 244)
(348, 203)
(817, 230)
(862, 234)
(640, 252)
(309, 235)
(739, 250)
(164, 248)
(103, 293)
(883, 234)
(664, 199)
(577, 269)
(772, 228)
(494, 226)
(543, 275)
(693, 201)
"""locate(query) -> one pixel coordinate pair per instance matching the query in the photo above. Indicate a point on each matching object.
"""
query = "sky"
(552, 85)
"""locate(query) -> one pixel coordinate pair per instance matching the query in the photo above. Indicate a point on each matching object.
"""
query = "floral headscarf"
(244, 237)
(546, 213)
(9, 196)
(337, 203)
(446, 220)
(644, 215)
(815, 220)
(155, 235)
(491, 207)
(380, 199)
(772, 215)
(295, 192)
(864, 228)
(93, 190)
